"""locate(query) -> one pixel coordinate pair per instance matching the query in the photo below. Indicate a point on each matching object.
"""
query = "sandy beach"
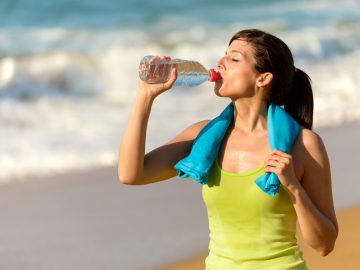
(87, 220)
(345, 255)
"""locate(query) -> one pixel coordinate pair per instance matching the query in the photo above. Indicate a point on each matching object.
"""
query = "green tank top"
(248, 228)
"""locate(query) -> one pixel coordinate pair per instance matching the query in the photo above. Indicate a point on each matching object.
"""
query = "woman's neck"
(250, 116)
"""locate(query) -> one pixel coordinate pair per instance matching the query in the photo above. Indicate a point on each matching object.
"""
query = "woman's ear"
(264, 79)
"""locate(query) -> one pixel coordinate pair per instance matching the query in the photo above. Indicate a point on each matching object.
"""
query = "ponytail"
(300, 103)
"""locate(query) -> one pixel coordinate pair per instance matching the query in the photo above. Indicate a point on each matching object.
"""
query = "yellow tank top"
(248, 228)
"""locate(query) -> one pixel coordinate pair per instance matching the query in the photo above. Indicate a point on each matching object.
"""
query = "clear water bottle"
(190, 73)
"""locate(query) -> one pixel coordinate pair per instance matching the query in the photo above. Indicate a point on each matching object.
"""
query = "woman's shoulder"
(190, 132)
(195, 128)
(308, 150)
(310, 139)
(200, 124)
(310, 145)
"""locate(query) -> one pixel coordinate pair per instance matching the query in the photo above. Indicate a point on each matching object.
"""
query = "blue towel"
(282, 132)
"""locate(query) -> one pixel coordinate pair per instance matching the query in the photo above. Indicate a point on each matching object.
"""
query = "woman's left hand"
(281, 164)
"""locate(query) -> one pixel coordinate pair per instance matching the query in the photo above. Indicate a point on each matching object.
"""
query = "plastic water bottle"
(190, 73)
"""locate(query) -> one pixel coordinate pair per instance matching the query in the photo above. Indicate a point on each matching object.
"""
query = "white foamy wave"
(336, 90)
(64, 106)
(50, 74)
(50, 135)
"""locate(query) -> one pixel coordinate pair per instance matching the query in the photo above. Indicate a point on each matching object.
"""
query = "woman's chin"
(217, 92)
(219, 83)
(217, 87)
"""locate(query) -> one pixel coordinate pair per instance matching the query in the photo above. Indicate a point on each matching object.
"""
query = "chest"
(240, 153)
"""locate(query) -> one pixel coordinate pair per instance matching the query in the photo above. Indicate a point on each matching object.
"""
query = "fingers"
(278, 158)
(277, 161)
(160, 70)
(275, 170)
(173, 75)
(275, 166)
(172, 79)
(279, 153)
(274, 163)
(284, 160)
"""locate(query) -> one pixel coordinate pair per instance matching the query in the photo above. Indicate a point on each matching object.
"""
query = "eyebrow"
(235, 51)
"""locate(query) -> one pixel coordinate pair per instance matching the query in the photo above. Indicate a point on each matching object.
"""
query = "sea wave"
(65, 96)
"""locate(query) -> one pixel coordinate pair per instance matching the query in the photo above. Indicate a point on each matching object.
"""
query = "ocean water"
(68, 70)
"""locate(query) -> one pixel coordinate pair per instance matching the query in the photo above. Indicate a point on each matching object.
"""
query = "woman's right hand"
(156, 89)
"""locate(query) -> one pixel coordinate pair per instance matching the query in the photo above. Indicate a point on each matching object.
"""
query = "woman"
(248, 229)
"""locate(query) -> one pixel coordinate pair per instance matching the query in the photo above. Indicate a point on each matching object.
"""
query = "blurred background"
(68, 69)
(68, 78)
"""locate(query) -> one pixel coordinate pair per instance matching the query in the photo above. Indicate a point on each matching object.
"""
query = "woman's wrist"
(294, 189)
(146, 94)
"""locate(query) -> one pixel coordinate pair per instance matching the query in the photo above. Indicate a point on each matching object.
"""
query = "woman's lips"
(219, 82)
(220, 77)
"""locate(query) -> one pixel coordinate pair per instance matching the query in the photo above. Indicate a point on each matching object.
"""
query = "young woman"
(248, 228)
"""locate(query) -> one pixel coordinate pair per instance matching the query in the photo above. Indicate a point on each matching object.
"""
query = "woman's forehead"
(239, 44)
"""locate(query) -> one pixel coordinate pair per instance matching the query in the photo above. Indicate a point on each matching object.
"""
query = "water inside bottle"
(156, 70)
(191, 80)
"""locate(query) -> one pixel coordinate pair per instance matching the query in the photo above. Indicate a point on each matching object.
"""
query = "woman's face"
(237, 69)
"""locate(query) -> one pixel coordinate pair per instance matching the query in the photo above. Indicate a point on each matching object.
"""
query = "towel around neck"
(282, 132)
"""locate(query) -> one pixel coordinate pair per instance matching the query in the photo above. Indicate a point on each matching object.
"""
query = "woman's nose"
(219, 64)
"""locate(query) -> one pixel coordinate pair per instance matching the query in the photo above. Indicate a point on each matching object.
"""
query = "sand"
(87, 220)
(346, 254)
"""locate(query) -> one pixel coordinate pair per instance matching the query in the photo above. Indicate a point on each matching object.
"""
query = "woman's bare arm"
(314, 203)
(136, 168)
(159, 163)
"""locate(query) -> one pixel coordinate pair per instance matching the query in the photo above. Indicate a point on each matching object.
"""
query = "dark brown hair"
(291, 87)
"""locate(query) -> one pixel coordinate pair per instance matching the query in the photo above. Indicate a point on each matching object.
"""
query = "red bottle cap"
(214, 75)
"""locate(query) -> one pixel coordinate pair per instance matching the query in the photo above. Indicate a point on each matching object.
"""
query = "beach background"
(68, 78)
